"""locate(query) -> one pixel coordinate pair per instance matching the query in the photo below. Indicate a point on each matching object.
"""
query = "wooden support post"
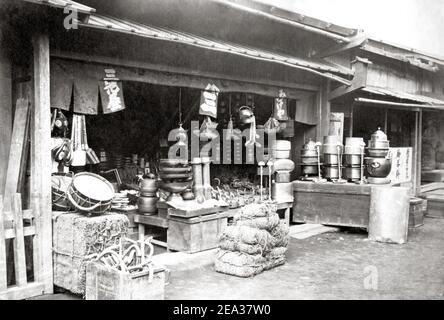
(3, 262)
(5, 110)
(41, 153)
(418, 152)
(385, 119)
(323, 118)
(350, 132)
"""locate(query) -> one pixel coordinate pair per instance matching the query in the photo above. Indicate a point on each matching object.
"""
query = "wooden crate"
(435, 206)
(417, 211)
(195, 234)
(331, 204)
(434, 194)
(103, 283)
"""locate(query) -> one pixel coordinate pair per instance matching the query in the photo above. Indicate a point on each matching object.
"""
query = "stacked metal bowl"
(176, 176)
(332, 149)
(309, 159)
(352, 158)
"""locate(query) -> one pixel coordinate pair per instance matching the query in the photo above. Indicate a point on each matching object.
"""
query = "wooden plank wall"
(404, 80)
(41, 153)
(5, 111)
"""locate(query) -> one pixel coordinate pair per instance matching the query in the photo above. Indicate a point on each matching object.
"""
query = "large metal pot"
(377, 167)
(331, 159)
(331, 172)
(246, 114)
(309, 170)
(377, 153)
(351, 159)
(352, 173)
(378, 144)
(147, 204)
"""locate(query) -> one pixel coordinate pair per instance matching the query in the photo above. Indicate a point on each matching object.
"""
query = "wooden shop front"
(157, 69)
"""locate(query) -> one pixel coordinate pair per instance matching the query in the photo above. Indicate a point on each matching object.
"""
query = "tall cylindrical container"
(389, 214)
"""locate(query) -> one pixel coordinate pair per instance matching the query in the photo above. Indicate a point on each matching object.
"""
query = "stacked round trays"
(352, 158)
(176, 177)
(282, 164)
(378, 164)
(332, 150)
(309, 159)
(282, 188)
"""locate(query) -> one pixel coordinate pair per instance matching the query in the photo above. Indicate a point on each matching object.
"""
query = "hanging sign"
(111, 92)
(281, 107)
(208, 101)
(401, 171)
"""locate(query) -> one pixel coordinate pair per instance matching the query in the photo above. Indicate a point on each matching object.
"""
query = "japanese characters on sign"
(401, 165)
(111, 93)
(280, 107)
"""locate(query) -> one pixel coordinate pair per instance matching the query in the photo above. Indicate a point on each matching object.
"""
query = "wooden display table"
(332, 204)
(187, 230)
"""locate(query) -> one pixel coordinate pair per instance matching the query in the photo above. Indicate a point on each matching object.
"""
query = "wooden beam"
(41, 153)
(324, 111)
(152, 66)
(400, 105)
(19, 136)
(419, 153)
(5, 109)
(360, 68)
(19, 242)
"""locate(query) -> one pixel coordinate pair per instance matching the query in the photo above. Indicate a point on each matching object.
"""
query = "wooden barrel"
(389, 214)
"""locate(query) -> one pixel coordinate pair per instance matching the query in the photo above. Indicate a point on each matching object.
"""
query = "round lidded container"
(378, 140)
(331, 144)
(354, 145)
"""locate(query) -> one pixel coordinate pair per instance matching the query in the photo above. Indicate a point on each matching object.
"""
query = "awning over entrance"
(318, 67)
(378, 96)
(404, 96)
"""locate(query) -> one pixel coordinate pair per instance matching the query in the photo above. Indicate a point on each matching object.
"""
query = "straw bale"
(75, 238)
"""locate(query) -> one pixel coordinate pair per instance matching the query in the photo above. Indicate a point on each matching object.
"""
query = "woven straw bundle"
(257, 242)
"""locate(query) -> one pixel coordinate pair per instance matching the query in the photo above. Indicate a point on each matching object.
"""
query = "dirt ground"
(333, 266)
(342, 265)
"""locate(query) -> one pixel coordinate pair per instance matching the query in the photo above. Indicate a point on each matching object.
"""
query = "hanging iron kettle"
(246, 115)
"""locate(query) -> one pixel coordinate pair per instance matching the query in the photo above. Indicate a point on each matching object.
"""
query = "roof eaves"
(295, 16)
(64, 4)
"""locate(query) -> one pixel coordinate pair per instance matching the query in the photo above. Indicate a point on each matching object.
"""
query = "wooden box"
(435, 206)
(434, 195)
(331, 204)
(195, 234)
(103, 283)
(416, 213)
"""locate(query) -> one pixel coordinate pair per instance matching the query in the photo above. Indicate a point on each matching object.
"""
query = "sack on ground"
(231, 245)
(268, 222)
(247, 235)
(243, 271)
(240, 259)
